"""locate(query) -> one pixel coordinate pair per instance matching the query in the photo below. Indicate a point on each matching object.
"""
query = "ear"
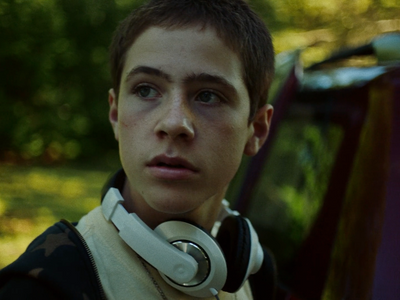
(259, 130)
(113, 113)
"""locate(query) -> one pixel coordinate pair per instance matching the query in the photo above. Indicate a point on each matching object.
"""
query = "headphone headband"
(180, 267)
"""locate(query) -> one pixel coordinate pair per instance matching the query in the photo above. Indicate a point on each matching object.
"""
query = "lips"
(171, 168)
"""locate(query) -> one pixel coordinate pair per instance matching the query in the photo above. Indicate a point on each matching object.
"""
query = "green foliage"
(34, 198)
(293, 184)
(54, 61)
(324, 26)
(55, 78)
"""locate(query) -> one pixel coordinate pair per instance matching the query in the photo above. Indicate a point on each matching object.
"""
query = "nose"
(176, 120)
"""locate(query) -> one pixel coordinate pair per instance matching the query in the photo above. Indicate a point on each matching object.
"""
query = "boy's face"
(182, 119)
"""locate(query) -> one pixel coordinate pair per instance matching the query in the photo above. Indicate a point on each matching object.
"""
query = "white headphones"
(187, 257)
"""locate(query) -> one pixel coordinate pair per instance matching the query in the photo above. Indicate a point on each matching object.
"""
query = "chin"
(174, 205)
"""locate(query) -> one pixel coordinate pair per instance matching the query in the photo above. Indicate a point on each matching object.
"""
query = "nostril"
(175, 128)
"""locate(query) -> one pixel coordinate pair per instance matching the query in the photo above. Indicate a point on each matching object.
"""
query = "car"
(324, 192)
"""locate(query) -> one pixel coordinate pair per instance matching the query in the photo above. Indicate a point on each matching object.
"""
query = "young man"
(191, 78)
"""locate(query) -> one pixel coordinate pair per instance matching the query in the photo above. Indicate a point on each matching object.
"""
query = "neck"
(205, 215)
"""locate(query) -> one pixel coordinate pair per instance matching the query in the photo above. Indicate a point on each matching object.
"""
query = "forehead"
(192, 42)
(190, 59)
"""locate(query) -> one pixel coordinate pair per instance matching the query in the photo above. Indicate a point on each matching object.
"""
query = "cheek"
(227, 149)
(129, 123)
(130, 140)
(234, 137)
(126, 116)
(126, 129)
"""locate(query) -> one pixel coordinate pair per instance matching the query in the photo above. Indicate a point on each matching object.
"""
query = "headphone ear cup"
(212, 271)
(234, 239)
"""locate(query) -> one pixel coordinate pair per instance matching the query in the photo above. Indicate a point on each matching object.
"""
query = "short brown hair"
(235, 23)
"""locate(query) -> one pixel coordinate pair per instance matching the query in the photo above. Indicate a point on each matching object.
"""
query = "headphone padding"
(186, 231)
(234, 239)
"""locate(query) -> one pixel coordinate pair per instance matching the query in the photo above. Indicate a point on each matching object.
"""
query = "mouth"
(165, 167)
(171, 162)
(178, 166)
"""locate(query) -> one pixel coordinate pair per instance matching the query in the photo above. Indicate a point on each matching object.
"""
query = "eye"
(146, 92)
(208, 97)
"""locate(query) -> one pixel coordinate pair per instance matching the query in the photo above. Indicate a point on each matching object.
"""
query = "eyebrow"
(202, 77)
(209, 78)
(148, 71)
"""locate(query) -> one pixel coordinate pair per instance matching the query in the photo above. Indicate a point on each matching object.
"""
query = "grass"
(33, 198)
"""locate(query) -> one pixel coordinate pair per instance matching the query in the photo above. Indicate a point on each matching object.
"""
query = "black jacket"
(56, 265)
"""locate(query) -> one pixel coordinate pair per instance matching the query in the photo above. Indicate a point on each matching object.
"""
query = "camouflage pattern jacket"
(56, 265)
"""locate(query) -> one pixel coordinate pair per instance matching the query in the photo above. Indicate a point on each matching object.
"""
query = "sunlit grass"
(33, 198)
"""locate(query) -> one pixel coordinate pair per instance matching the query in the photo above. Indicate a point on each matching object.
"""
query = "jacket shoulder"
(56, 264)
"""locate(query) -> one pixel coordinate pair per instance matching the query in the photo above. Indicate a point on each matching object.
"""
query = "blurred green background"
(57, 148)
